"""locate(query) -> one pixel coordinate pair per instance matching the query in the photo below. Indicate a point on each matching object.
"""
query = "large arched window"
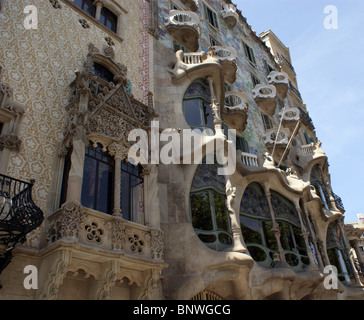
(317, 183)
(292, 241)
(256, 225)
(196, 106)
(336, 253)
(208, 209)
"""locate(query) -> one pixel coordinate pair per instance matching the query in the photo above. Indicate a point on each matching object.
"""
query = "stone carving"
(68, 222)
(11, 142)
(55, 4)
(109, 278)
(84, 23)
(56, 275)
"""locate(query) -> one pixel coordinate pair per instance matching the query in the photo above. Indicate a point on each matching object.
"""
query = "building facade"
(81, 79)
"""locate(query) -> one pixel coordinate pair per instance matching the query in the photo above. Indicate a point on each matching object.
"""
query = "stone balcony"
(235, 111)
(291, 116)
(191, 4)
(229, 14)
(75, 224)
(309, 154)
(266, 98)
(278, 144)
(227, 57)
(281, 82)
(184, 28)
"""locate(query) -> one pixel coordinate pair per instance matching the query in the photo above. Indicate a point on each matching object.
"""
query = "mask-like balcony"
(278, 144)
(235, 112)
(290, 118)
(281, 82)
(229, 14)
(190, 4)
(266, 97)
(304, 155)
(194, 62)
(184, 27)
(227, 57)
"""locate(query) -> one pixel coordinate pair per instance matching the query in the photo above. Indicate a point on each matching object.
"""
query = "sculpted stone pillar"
(276, 229)
(75, 178)
(235, 226)
(119, 152)
(306, 234)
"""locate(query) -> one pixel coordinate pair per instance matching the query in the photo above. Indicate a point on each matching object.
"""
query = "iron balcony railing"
(18, 213)
(338, 201)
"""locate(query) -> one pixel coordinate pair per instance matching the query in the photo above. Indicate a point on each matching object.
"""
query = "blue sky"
(330, 78)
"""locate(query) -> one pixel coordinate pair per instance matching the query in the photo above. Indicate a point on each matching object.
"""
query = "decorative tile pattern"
(40, 64)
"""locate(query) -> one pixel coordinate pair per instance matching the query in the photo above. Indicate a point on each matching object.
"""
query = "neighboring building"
(100, 226)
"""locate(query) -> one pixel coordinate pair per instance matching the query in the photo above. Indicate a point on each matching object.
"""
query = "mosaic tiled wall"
(230, 38)
(40, 64)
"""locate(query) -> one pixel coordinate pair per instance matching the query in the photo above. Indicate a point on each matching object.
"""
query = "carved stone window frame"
(115, 8)
(10, 116)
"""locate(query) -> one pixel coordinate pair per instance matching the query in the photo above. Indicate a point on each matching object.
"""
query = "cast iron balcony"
(184, 27)
(18, 213)
(230, 15)
(338, 202)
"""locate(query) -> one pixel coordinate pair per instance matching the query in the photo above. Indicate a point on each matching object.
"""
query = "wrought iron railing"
(338, 201)
(306, 119)
(18, 213)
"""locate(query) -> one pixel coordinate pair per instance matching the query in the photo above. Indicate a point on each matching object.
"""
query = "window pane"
(286, 236)
(102, 72)
(251, 230)
(105, 188)
(108, 19)
(222, 222)
(192, 111)
(89, 182)
(208, 115)
(269, 236)
(125, 195)
(201, 211)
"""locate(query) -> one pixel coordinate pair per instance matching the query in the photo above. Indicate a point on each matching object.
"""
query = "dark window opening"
(87, 6)
(109, 19)
(103, 73)
(98, 180)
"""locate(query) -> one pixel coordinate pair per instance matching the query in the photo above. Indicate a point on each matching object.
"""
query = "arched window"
(317, 183)
(98, 180)
(256, 225)
(196, 106)
(103, 72)
(208, 209)
(336, 253)
(289, 222)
